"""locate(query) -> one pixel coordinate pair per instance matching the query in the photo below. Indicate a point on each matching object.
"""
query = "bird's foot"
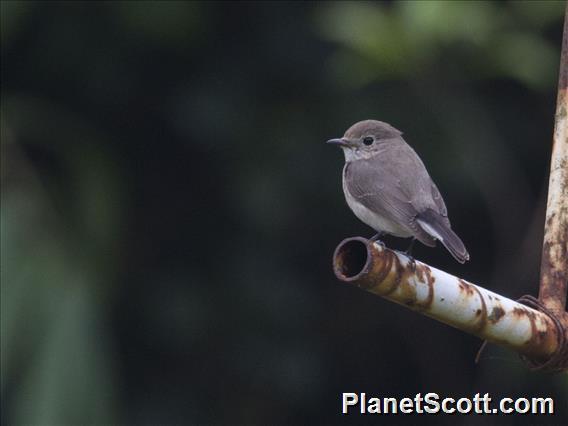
(412, 264)
(375, 239)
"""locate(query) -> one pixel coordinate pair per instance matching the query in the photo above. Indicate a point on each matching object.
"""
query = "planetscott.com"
(432, 403)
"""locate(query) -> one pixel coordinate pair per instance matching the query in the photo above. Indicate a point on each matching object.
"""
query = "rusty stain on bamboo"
(496, 314)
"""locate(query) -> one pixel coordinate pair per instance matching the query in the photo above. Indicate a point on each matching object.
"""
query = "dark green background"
(169, 208)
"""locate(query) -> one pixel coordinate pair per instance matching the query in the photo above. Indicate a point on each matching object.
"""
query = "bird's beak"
(338, 141)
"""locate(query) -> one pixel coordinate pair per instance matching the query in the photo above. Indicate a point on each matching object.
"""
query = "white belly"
(375, 221)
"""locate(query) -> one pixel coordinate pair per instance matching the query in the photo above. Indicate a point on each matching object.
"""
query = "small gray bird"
(387, 187)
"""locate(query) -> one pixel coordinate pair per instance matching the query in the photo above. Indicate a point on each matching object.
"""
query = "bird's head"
(363, 139)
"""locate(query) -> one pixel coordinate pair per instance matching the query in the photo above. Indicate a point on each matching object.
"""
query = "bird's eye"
(368, 140)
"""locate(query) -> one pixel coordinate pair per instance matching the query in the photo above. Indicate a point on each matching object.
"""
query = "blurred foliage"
(169, 209)
(405, 39)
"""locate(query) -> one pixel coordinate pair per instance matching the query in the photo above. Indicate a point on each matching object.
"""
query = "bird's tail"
(439, 227)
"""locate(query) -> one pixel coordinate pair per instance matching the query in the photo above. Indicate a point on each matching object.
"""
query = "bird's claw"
(375, 239)
(411, 260)
(379, 242)
(411, 263)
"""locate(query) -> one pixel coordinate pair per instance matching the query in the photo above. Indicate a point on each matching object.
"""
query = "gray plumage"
(387, 187)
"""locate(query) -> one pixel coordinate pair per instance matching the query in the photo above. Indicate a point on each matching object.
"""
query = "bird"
(387, 187)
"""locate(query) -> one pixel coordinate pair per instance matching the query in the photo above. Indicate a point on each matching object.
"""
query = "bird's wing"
(378, 190)
(422, 190)
(379, 187)
(439, 201)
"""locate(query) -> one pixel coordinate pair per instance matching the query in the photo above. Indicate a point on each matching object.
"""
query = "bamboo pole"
(554, 264)
(444, 297)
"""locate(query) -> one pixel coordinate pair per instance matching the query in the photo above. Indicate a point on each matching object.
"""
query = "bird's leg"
(376, 236)
(408, 252)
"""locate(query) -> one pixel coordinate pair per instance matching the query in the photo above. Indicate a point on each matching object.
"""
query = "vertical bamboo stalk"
(554, 264)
